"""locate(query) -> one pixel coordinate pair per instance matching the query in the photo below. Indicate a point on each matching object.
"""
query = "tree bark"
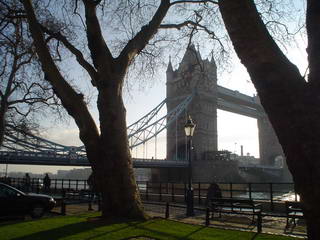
(122, 194)
(292, 104)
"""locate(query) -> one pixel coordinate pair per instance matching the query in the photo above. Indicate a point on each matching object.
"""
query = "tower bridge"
(191, 90)
(196, 74)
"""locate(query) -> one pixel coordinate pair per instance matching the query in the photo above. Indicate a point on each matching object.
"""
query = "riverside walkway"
(273, 225)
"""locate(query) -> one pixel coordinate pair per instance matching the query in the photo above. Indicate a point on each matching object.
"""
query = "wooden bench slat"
(235, 205)
(238, 206)
(293, 210)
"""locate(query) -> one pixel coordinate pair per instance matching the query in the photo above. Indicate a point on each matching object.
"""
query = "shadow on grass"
(74, 229)
(140, 237)
(254, 236)
(168, 235)
(82, 227)
(192, 233)
(148, 229)
(152, 232)
(185, 234)
(10, 221)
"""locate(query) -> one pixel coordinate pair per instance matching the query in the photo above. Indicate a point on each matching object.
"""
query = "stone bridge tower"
(269, 147)
(197, 76)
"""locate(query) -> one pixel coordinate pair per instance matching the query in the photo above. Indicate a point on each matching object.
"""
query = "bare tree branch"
(141, 39)
(78, 54)
(195, 26)
(97, 45)
(204, 1)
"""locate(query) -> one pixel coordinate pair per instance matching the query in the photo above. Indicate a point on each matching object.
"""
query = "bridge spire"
(169, 68)
(212, 61)
(170, 72)
(191, 57)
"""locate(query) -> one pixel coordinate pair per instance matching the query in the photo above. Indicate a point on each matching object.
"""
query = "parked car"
(14, 202)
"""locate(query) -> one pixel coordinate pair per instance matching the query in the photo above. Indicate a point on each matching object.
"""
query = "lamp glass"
(189, 127)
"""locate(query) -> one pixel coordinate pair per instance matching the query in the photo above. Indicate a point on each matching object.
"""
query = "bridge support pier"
(202, 171)
(168, 175)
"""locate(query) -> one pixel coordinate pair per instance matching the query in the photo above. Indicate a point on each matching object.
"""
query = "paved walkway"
(273, 225)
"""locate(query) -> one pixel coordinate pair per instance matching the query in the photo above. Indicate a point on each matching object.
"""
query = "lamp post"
(189, 130)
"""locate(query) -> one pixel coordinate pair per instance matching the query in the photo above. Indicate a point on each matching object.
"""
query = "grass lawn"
(84, 227)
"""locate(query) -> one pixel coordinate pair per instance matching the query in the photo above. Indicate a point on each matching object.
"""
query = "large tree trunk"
(115, 180)
(115, 174)
(306, 179)
(292, 104)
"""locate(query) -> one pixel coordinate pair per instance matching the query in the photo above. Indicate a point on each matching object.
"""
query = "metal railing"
(174, 191)
(56, 186)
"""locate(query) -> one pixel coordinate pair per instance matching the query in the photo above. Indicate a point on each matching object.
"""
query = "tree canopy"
(23, 94)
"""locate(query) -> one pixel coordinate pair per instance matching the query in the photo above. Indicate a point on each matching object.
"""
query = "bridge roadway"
(259, 169)
(56, 159)
(236, 102)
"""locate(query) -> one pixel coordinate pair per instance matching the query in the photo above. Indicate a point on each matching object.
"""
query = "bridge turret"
(169, 68)
(213, 65)
(171, 74)
(193, 74)
(191, 59)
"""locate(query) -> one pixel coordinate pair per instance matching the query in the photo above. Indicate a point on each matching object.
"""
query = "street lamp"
(189, 130)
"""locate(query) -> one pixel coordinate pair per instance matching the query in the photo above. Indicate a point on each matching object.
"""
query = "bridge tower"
(270, 148)
(199, 77)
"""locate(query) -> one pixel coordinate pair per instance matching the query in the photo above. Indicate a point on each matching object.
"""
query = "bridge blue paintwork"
(40, 158)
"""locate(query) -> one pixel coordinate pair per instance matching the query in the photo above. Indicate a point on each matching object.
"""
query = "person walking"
(214, 191)
(27, 182)
(91, 185)
(46, 183)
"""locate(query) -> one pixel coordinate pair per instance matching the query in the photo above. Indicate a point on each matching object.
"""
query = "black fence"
(57, 186)
(171, 191)
(272, 192)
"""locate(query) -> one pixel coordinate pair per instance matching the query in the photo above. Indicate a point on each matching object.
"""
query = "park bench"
(293, 211)
(237, 206)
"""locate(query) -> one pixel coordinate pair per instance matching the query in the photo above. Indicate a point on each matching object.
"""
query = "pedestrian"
(92, 189)
(27, 182)
(46, 183)
(214, 191)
